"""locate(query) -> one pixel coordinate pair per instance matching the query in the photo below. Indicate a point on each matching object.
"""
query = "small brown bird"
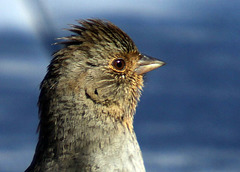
(88, 100)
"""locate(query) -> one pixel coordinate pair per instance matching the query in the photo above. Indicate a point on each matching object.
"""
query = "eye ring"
(119, 64)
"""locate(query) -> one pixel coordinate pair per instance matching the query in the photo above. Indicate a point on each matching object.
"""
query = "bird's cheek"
(96, 95)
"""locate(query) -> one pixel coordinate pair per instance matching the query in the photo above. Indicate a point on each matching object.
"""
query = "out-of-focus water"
(188, 117)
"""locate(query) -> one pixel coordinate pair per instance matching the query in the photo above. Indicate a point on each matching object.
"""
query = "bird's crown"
(96, 31)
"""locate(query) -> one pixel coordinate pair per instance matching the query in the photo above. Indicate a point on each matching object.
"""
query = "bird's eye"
(118, 64)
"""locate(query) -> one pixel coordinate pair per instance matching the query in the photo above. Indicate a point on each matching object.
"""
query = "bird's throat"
(83, 137)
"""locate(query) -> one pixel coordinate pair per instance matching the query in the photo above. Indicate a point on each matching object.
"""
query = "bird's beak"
(146, 64)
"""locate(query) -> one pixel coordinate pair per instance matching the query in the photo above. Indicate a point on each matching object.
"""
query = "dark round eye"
(119, 64)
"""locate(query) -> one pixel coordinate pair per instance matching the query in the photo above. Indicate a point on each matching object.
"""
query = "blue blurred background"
(188, 119)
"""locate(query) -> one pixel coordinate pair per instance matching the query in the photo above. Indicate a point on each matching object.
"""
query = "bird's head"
(100, 64)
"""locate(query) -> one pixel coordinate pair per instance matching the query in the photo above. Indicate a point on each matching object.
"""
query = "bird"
(88, 100)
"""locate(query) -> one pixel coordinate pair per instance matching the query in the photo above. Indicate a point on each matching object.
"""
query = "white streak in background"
(174, 9)
(14, 15)
(152, 8)
(156, 129)
(18, 12)
(197, 159)
(23, 68)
